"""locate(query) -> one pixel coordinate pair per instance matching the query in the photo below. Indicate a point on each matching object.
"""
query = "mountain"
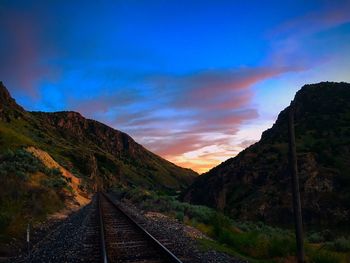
(88, 147)
(256, 185)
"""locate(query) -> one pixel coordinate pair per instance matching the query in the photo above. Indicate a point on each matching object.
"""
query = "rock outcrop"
(8, 106)
(73, 125)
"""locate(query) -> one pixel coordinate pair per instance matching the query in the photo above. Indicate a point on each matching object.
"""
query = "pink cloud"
(23, 67)
(207, 83)
(224, 89)
(103, 103)
(22, 36)
(315, 21)
(208, 108)
(221, 100)
(183, 143)
(180, 145)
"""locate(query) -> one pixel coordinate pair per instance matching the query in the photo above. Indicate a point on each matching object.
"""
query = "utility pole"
(293, 166)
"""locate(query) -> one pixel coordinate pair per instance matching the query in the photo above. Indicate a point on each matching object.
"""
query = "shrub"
(4, 221)
(220, 223)
(340, 244)
(56, 182)
(180, 216)
(54, 172)
(316, 237)
(280, 246)
(201, 213)
(21, 175)
(20, 162)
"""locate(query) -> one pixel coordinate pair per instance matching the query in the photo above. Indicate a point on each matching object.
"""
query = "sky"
(193, 81)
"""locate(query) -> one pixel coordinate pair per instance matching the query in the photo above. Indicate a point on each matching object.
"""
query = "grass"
(12, 139)
(341, 244)
(252, 241)
(206, 244)
(29, 191)
(327, 256)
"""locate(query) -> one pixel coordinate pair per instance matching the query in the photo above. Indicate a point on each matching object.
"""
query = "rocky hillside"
(256, 185)
(91, 150)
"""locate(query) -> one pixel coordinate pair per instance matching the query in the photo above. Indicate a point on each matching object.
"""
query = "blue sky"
(194, 81)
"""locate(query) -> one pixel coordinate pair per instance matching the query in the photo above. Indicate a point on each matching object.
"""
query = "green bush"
(4, 221)
(55, 182)
(316, 237)
(53, 172)
(201, 213)
(20, 162)
(280, 246)
(180, 216)
(340, 244)
(220, 223)
(21, 175)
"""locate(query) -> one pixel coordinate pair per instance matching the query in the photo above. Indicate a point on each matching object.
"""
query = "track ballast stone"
(76, 238)
(173, 234)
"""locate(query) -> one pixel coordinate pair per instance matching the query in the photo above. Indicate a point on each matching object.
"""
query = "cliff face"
(256, 184)
(99, 154)
(8, 106)
(74, 126)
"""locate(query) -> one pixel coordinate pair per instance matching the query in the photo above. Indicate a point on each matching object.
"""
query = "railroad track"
(123, 240)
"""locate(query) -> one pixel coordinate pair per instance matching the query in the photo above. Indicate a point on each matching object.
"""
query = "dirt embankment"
(80, 197)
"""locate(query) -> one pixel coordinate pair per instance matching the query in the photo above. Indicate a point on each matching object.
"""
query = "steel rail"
(102, 232)
(166, 252)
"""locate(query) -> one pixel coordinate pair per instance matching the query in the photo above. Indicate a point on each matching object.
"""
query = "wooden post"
(28, 239)
(295, 186)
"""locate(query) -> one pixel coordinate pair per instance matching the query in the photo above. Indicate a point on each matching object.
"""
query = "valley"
(175, 131)
(52, 165)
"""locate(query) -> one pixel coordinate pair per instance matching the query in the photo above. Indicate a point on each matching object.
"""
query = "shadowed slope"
(256, 184)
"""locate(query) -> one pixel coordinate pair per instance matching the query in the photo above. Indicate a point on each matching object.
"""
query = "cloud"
(191, 112)
(187, 118)
(304, 40)
(22, 50)
(103, 102)
(315, 21)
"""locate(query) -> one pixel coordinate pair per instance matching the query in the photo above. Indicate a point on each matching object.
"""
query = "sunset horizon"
(195, 83)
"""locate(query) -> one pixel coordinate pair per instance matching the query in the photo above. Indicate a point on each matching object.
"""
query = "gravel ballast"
(179, 238)
(70, 239)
